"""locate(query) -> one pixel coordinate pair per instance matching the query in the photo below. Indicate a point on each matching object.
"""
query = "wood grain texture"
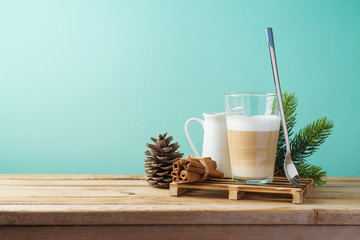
(70, 177)
(237, 190)
(125, 200)
(160, 232)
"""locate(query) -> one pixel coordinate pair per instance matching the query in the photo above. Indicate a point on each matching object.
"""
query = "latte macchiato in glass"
(253, 124)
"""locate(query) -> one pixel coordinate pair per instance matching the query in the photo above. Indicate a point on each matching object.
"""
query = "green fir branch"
(290, 103)
(307, 170)
(303, 144)
(308, 140)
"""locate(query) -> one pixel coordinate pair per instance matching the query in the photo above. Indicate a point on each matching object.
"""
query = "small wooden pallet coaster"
(237, 190)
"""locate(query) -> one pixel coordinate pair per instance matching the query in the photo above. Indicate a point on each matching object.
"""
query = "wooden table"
(125, 207)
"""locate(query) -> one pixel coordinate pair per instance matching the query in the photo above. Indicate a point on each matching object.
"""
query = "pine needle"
(303, 144)
(308, 140)
(307, 170)
(290, 103)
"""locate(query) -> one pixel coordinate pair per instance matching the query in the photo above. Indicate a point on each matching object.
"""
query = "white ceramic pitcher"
(215, 143)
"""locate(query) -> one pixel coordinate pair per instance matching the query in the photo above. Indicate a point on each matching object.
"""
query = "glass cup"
(253, 124)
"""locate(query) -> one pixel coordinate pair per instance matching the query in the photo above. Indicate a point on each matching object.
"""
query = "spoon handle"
(289, 167)
(277, 86)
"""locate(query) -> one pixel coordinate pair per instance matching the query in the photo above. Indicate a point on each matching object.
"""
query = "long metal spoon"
(289, 167)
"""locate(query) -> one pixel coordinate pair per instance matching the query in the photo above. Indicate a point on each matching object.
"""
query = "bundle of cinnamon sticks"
(194, 169)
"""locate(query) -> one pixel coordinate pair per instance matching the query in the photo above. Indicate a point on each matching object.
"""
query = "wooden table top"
(129, 200)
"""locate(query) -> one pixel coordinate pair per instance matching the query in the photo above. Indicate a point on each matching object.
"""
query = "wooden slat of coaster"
(237, 190)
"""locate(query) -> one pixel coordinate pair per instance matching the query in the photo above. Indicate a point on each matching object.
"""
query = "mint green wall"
(85, 84)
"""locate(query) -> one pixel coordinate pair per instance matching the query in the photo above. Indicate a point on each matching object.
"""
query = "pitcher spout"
(214, 116)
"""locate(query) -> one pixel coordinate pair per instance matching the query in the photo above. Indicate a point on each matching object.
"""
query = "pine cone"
(159, 160)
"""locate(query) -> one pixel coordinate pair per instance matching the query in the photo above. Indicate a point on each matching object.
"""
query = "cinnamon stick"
(192, 170)
(176, 179)
(196, 163)
(212, 172)
(188, 177)
(179, 165)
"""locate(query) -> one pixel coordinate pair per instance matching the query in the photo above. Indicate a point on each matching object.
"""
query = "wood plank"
(342, 179)
(132, 217)
(209, 201)
(237, 190)
(78, 191)
(20, 194)
(331, 205)
(175, 214)
(119, 200)
(329, 193)
(212, 232)
(71, 177)
(71, 183)
(93, 185)
(342, 184)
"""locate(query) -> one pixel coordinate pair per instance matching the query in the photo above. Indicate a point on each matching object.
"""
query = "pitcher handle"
(188, 135)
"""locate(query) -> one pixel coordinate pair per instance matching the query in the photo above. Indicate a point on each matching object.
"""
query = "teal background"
(85, 84)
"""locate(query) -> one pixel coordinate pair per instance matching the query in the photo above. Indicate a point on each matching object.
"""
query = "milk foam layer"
(260, 123)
